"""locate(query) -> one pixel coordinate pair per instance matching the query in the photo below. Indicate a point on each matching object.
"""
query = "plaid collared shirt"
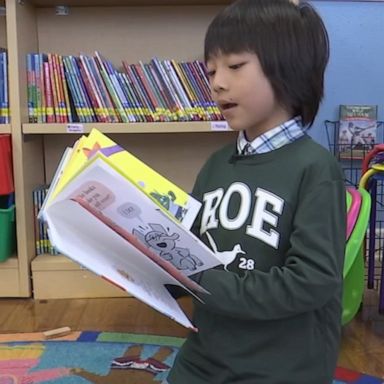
(275, 138)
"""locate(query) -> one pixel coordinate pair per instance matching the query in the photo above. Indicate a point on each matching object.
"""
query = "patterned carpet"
(102, 358)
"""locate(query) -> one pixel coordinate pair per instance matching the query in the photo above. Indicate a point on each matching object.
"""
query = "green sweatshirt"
(278, 222)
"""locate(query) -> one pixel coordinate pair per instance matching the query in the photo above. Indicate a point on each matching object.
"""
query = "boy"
(274, 313)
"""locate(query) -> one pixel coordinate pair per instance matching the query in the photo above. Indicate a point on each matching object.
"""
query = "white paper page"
(118, 199)
(63, 162)
(83, 238)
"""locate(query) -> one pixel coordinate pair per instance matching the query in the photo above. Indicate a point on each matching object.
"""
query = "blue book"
(2, 89)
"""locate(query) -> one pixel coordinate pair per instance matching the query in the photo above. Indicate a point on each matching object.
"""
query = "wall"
(355, 74)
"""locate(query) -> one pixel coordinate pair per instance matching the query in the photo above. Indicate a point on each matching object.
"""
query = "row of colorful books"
(42, 242)
(4, 99)
(86, 89)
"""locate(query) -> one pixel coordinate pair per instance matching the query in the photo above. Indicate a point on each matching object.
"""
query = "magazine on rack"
(104, 221)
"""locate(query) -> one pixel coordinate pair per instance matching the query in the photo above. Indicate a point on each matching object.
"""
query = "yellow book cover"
(72, 165)
(162, 191)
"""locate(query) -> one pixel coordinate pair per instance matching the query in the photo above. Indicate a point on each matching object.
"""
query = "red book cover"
(92, 92)
(49, 108)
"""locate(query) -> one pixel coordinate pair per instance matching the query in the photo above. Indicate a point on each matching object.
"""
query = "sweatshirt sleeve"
(310, 276)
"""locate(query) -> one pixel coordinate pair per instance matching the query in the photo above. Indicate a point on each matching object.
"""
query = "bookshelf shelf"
(57, 277)
(119, 3)
(9, 277)
(175, 127)
(129, 30)
(5, 128)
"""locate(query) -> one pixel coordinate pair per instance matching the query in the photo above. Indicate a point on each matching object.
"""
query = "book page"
(85, 239)
(66, 157)
(168, 267)
(128, 207)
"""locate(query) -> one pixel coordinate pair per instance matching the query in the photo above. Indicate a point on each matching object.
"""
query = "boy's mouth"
(226, 106)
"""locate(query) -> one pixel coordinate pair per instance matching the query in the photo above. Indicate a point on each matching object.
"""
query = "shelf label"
(220, 126)
(75, 128)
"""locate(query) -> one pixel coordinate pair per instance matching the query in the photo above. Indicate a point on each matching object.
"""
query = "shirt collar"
(273, 139)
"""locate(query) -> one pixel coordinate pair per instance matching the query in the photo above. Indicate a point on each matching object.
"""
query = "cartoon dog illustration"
(164, 244)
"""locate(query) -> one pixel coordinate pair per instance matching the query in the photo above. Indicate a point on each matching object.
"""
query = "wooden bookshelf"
(3, 28)
(57, 277)
(5, 128)
(131, 128)
(10, 277)
(130, 30)
(114, 3)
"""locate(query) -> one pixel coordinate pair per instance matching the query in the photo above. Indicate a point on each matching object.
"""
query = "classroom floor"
(362, 346)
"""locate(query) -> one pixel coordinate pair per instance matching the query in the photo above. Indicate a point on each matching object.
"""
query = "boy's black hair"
(290, 41)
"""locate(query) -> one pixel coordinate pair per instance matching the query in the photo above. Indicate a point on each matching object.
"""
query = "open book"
(103, 220)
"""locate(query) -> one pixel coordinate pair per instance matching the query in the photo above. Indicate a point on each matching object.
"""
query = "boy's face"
(244, 94)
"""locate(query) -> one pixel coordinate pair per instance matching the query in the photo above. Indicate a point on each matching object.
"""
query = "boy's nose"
(218, 88)
(219, 85)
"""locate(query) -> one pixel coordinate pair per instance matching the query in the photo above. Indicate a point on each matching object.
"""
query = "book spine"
(88, 110)
(161, 108)
(129, 90)
(177, 97)
(150, 88)
(96, 76)
(114, 96)
(54, 89)
(59, 100)
(159, 86)
(65, 89)
(177, 70)
(149, 108)
(205, 96)
(177, 84)
(39, 89)
(30, 89)
(73, 89)
(36, 222)
(92, 91)
(196, 87)
(139, 94)
(114, 76)
(50, 115)
(129, 106)
(2, 89)
(169, 98)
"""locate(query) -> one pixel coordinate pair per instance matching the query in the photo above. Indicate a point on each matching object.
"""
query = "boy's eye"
(210, 73)
(236, 66)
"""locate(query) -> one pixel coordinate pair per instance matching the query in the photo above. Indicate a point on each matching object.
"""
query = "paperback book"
(357, 130)
(102, 218)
